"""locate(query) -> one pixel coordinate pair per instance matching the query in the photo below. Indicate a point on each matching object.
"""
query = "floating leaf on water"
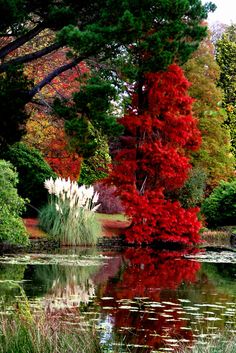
(192, 308)
(138, 345)
(213, 257)
(170, 303)
(184, 318)
(125, 307)
(184, 300)
(155, 335)
(165, 315)
(156, 305)
(153, 318)
(209, 312)
(213, 319)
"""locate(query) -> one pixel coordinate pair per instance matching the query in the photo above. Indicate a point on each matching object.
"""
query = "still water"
(150, 300)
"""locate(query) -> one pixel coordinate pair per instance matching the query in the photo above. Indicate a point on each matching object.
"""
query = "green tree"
(214, 157)
(33, 170)
(12, 229)
(95, 31)
(226, 58)
(96, 167)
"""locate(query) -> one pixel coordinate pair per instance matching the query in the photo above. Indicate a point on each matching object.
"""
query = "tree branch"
(52, 75)
(21, 40)
(30, 57)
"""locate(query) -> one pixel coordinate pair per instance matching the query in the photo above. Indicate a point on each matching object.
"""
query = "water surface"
(147, 299)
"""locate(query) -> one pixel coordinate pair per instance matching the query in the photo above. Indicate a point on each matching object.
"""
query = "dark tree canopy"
(93, 30)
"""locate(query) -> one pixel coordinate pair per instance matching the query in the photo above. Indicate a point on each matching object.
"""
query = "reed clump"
(69, 215)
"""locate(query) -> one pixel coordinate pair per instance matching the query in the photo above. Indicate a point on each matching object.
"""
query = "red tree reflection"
(144, 302)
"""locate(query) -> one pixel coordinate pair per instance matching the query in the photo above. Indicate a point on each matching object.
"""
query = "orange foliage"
(63, 162)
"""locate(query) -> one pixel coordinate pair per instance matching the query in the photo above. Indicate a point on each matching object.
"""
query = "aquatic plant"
(69, 215)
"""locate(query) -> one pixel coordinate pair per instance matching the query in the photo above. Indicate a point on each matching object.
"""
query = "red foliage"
(153, 161)
(63, 162)
(150, 277)
(109, 201)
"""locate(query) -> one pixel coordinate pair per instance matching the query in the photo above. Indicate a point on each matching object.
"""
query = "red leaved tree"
(65, 163)
(152, 160)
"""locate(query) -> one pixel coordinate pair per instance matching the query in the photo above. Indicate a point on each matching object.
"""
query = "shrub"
(109, 202)
(192, 193)
(220, 207)
(33, 170)
(69, 216)
(12, 229)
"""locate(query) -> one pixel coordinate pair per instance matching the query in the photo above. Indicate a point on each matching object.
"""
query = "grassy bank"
(218, 237)
(223, 343)
(24, 333)
(42, 335)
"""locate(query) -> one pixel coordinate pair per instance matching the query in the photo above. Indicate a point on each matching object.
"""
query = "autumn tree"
(226, 58)
(152, 160)
(214, 158)
(65, 163)
(44, 130)
(92, 34)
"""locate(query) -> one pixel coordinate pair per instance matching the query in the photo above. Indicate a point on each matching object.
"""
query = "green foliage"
(19, 335)
(192, 193)
(214, 157)
(70, 214)
(89, 117)
(129, 24)
(96, 167)
(67, 228)
(100, 31)
(220, 207)
(12, 228)
(225, 56)
(33, 170)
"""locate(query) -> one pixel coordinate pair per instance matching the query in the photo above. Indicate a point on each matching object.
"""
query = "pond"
(139, 298)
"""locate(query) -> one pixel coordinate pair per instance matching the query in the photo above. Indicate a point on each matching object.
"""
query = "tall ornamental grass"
(69, 215)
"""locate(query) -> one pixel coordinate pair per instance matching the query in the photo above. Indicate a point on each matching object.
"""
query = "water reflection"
(10, 276)
(143, 301)
(153, 299)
